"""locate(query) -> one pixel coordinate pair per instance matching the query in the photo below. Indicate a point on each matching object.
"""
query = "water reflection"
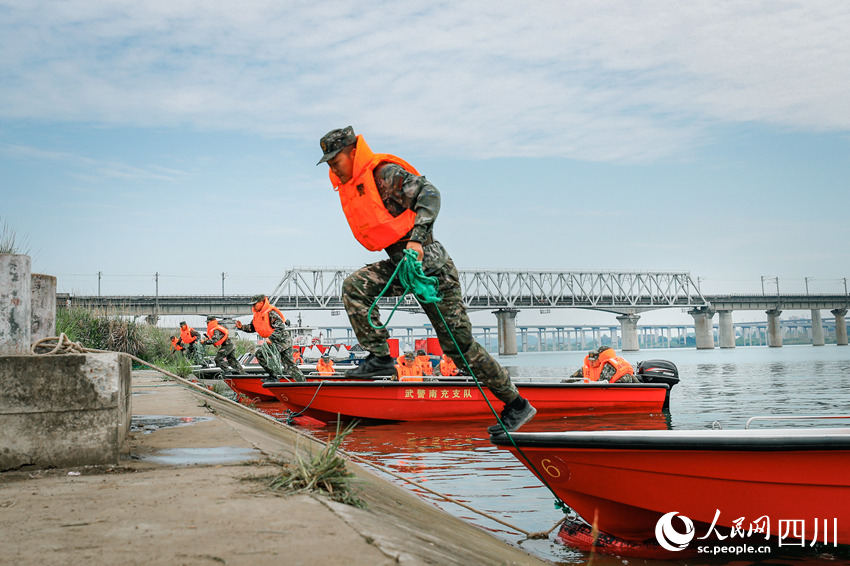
(720, 385)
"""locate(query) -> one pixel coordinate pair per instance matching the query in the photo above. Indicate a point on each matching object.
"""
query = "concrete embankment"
(178, 496)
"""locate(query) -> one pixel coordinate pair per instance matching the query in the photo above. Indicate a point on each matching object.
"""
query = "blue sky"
(181, 137)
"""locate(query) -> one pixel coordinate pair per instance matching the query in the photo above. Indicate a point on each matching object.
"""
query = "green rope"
(198, 352)
(272, 357)
(413, 279)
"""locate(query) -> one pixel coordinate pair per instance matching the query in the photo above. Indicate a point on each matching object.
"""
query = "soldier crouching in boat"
(604, 364)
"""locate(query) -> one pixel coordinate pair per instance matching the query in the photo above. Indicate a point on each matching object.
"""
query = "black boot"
(514, 415)
(372, 366)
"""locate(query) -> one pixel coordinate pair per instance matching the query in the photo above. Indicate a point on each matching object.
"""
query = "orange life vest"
(323, 368)
(409, 373)
(370, 221)
(447, 366)
(425, 363)
(186, 335)
(622, 367)
(296, 356)
(175, 344)
(262, 324)
(212, 326)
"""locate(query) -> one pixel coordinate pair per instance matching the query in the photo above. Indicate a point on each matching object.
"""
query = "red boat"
(251, 386)
(787, 483)
(453, 400)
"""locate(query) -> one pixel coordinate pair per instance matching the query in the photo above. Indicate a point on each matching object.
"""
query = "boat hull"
(251, 386)
(459, 400)
(630, 480)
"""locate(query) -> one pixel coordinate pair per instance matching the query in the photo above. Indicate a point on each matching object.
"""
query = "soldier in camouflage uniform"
(608, 370)
(225, 356)
(272, 326)
(191, 340)
(401, 190)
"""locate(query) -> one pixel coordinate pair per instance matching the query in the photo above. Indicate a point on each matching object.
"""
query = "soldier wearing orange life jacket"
(225, 356)
(176, 344)
(191, 340)
(447, 366)
(604, 364)
(424, 362)
(296, 356)
(270, 324)
(325, 365)
(410, 369)
(389, 206)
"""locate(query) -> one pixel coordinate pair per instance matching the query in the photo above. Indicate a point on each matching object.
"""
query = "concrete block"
(15, 304)
(43, 288)
(62, 411)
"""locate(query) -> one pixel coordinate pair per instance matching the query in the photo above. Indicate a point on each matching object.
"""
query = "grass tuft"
(325, 472)
(9, 241)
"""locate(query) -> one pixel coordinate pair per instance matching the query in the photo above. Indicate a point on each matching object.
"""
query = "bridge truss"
(619, 292)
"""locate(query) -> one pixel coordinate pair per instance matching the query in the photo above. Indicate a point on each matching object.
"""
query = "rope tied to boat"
(290, 416)
(426, 290)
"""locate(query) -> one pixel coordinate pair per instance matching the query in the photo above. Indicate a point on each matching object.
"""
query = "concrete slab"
(63, 410)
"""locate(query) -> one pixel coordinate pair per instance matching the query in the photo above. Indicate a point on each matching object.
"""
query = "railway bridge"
(505, 292)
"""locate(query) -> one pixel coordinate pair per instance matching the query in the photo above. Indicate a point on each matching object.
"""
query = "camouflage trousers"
(194, 352)
(225, 358)
(282, 343)
(360, 289)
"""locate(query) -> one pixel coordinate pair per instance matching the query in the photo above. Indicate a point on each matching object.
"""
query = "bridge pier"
(726, 329)
(615, 342)
(817, 329)
(506, 320)
(628, 324)
(703, 328)
(774, 330)
(840, 326)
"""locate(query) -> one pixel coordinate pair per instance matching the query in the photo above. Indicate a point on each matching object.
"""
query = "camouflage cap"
(326, 356)
(257, 298)
(182, 323)
(409, 355)
(420, 352)
(335, 141)
(211, 317)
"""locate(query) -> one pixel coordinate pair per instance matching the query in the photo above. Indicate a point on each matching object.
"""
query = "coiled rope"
(414, 281)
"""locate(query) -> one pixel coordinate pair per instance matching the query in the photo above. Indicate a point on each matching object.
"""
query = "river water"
(725, 387)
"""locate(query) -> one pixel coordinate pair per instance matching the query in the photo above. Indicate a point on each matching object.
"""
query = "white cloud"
(602, 81)
(89, 169)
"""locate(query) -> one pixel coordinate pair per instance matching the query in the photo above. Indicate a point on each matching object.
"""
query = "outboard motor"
(658, 371)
